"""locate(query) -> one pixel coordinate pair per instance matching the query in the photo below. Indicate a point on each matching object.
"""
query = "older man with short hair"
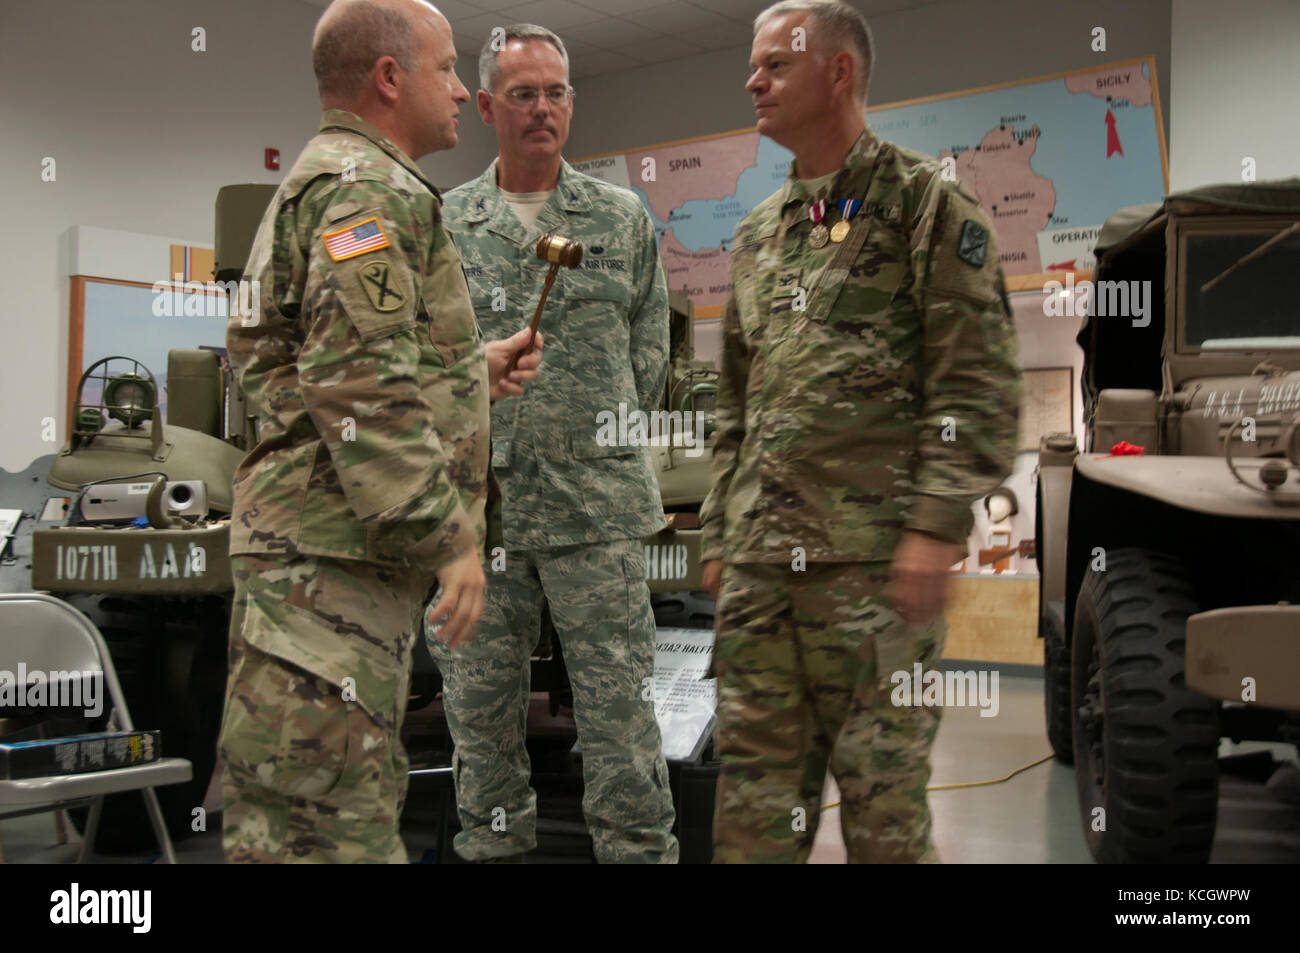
(574, 509)
(868, 397)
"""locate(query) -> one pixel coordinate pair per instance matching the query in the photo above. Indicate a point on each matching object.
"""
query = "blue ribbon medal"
(848, 208)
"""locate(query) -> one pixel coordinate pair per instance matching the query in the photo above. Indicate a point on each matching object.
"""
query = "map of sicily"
(1049, 158)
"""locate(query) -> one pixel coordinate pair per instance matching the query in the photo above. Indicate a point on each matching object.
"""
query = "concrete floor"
(1032, 818)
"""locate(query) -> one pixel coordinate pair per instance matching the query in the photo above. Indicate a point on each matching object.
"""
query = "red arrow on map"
(1112, 137)
(1063, 265)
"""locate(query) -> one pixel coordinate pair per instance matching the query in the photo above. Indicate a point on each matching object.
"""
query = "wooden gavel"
(558, 251)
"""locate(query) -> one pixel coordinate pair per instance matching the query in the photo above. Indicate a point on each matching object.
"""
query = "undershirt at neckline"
(527, 206)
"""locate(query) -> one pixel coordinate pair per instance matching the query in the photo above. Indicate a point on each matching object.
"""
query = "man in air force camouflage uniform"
(574, 510)
(868, 397)
(367, 374)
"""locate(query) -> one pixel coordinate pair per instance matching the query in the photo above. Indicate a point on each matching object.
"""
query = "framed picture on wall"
(1046, 405)
(132, 319)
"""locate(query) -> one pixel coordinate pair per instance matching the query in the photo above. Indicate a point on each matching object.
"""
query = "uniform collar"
(485, 203)
(342, 119)
(853, 179)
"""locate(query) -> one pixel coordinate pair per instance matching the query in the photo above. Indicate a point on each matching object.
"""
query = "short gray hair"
(488, 73)
(346, 48)
(835, 22)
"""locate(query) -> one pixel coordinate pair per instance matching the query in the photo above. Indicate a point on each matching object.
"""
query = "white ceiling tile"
(721, 39)
(597, 62)
(577, 47)
(661, 49)
(555, 15)
(451, 9)
(610, 33)
(743, 10)
(871, 8)
(490, 6)
(472, 31)
(618, 8)
(677, 17)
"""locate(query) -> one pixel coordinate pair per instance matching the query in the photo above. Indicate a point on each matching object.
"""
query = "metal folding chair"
(49, 635)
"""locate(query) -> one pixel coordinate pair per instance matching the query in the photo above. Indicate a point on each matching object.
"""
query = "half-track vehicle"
(1170, 588)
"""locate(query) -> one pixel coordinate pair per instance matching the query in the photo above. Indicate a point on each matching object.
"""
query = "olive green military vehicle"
(138, 540)
(1170, 588)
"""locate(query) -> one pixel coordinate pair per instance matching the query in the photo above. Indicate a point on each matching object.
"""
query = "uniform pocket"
(640, 625)
(284, 728)
(596, 320)
(336, 652)
(609, 478)
(453, 328)
(899, 647)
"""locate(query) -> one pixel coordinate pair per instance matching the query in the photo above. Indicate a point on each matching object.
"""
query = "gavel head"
(559, 250)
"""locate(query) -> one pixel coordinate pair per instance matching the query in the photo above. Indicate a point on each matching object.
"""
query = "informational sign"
(684, 699)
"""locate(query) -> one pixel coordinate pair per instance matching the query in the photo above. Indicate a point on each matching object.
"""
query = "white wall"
(1234, 91)
(143, 131)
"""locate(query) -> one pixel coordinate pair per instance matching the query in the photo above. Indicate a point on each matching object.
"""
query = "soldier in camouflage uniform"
(573, 509)
(868, 396)
(365, 368)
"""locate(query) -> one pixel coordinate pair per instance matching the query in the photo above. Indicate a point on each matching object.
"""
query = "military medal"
(820, 234)
(848, 207)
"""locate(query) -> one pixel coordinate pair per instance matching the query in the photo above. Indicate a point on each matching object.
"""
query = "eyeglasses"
(526, 98)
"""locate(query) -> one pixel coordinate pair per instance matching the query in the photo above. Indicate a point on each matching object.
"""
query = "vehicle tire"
(1056, 691)
(1145, 745)
(171, 660)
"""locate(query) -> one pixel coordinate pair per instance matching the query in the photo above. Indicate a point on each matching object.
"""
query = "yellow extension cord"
(968, 784)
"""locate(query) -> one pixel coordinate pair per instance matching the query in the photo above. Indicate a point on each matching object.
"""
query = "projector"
(125, 501)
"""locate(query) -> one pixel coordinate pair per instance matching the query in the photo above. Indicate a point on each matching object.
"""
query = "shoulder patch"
(964, 261)
(366, 236)
(374, 278)
(973, 244)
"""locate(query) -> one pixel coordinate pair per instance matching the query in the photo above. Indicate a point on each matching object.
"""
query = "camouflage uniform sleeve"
(730, 431)
(648, 318)
(359, 374)
(971, 363)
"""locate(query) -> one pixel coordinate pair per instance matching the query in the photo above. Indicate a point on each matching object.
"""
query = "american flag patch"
(356, 240)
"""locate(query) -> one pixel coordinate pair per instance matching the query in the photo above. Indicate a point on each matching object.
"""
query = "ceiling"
(605, 36)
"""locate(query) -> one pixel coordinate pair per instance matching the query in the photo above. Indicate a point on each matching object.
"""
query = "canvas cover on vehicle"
(1131, 247)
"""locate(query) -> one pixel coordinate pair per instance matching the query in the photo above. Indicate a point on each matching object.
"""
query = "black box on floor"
(78, 754)
(695, 786)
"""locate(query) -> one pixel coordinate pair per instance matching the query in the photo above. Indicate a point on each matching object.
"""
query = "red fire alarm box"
(273, 159)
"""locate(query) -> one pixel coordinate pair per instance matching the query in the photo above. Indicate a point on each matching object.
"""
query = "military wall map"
(1049, 158)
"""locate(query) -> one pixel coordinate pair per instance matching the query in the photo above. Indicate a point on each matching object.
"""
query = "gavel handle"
(537, 319)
